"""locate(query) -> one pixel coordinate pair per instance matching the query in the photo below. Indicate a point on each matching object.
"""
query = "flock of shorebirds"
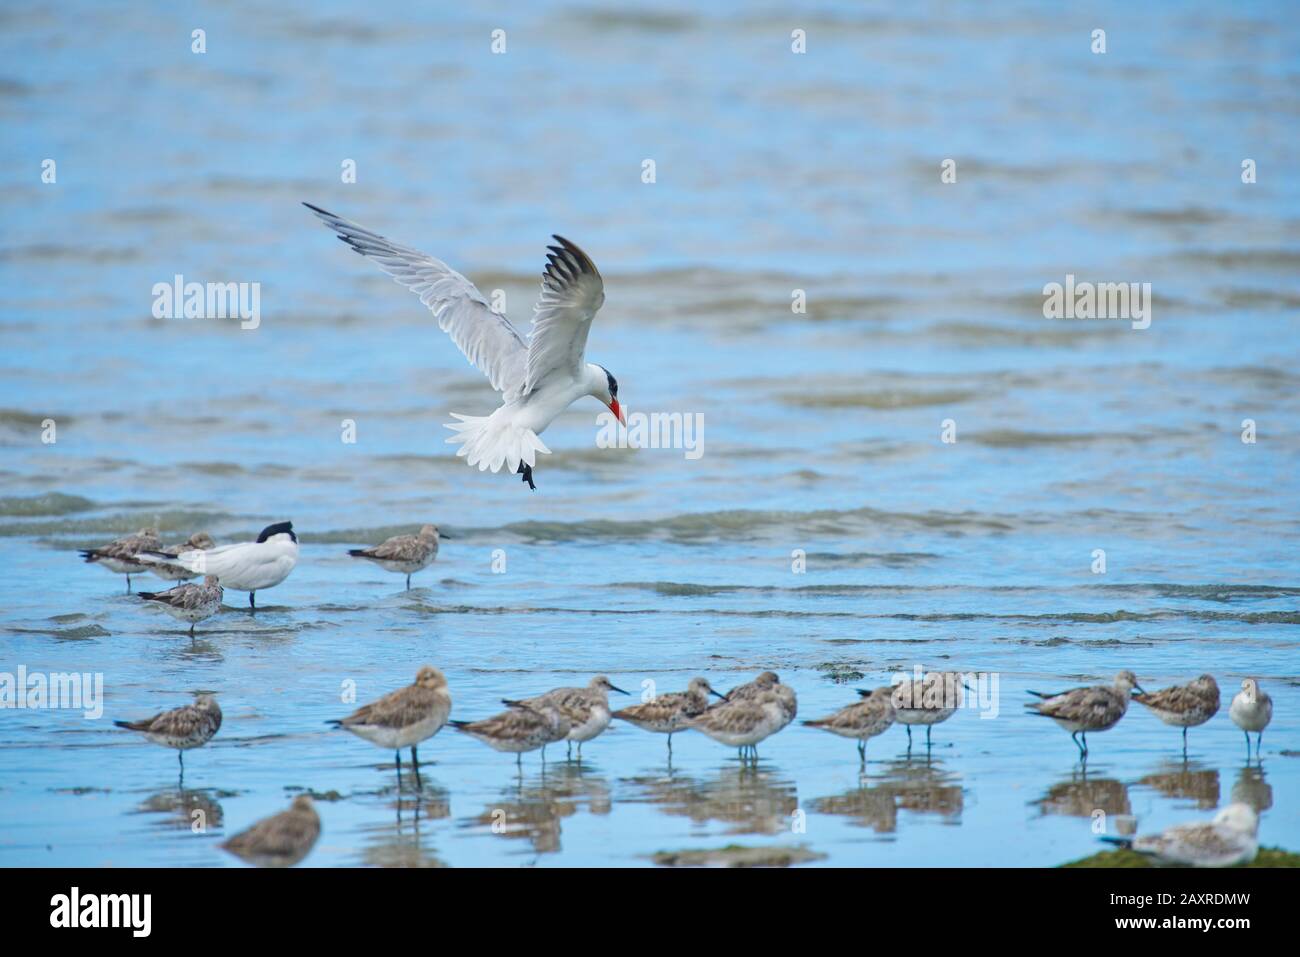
(742, 718)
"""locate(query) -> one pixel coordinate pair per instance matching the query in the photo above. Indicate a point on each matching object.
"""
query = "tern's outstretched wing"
(572, 292)
(487, 339)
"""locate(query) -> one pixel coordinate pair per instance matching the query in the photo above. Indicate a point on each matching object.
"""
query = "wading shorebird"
(404, 554)
(930, 701)
(863, 719)
(123, 554)
(1227, 840)
(1251, 710)
(281, 840)
(743, 722)
(1081, 710)
(1184, 706)
(246, 566)
(403, 718)
(667, 713)
(519, 729)
(192, 603)
(586, 708)
(183, 728)
(200, 541)
(538, 378)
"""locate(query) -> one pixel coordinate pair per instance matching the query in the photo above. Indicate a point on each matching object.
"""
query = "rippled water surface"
(775, 172)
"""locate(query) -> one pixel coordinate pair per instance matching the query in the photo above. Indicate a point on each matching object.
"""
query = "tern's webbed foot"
(527, 472)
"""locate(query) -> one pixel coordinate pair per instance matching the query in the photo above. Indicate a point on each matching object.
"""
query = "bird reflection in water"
(403, 845)
(182, 809)
(1081, 794)
(532, 809)
(1185, 779)
(1252, 789)
(748, 799)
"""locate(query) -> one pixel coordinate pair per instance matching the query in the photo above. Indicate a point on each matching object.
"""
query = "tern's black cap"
(277, 529)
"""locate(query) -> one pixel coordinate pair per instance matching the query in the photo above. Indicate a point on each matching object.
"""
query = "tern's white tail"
(491, 441)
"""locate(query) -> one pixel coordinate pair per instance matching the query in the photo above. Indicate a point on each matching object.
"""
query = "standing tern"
(538, 378)
(247, 566)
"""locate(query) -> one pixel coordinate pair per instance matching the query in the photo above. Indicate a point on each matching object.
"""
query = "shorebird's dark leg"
(1184, 742)
(519, 760)
(128, 584)
(927, 736)
(192, 629)
(415, 758)
(670, 743)
(527, 472)
(862, 751)
(1259, 741)
(909, 737)
(252, 600)
(1074, 736)
(180, 758)
(568, 750)
(1084, 735)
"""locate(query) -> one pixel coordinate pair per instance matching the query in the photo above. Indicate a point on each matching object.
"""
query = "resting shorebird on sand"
(1251, 710)
(1184, 706)
(404, 554)
(188, 602)
(123, 554)
(1229, 839)
(405, 717)
(1081, 710)
(667, 713)
(538, 378)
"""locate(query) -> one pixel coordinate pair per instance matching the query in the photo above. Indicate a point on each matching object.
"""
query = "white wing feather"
(487, 339)
(572, 293)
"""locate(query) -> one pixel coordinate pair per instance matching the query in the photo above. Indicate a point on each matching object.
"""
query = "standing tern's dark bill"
(247, 566)
(538, 378)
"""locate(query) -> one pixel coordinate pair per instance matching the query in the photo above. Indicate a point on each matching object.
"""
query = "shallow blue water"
(775, 172)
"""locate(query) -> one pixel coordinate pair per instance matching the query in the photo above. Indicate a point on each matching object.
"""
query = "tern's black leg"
(527, 472)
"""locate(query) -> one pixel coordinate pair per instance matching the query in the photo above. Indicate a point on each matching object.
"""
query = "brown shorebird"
(1184, 706)
(667, 713)
(405, 717)
(1081, 710)
(183, 728)
(192, 603)
(122, 554)
(281, 840)
(199, 541)
(519, 729)
(586, 708)
(863, 719)
(404, 554)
